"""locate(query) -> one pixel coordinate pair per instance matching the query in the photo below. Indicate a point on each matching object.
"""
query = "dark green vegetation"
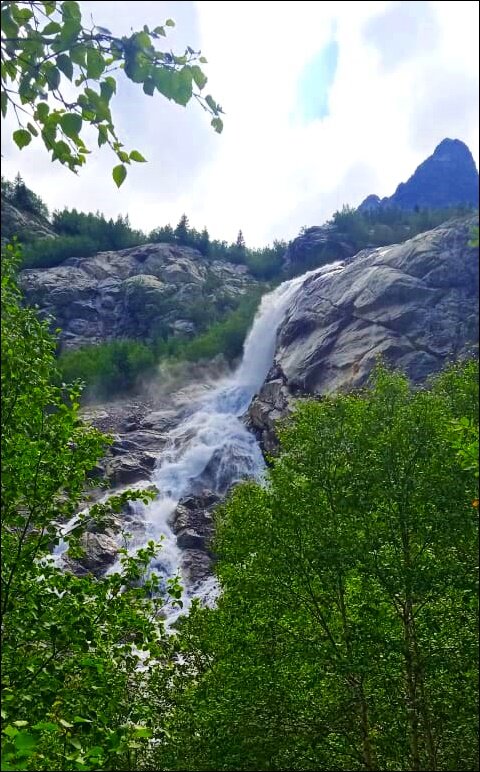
(381, 227)
(52, 65)
(71, 694)
(122, 366)
(17, 194)
(82, 235)
(352, 230)
(345, 637)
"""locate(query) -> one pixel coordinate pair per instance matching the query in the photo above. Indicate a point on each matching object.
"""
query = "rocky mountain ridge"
(447, 178)
(136, 292)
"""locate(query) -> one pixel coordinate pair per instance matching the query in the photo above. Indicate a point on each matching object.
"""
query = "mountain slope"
(447, 178)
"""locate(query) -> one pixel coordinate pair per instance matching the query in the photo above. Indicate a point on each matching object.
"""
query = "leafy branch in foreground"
(73, 695)
(58, 76)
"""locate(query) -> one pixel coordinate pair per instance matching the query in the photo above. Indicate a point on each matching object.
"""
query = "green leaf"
(169, 23)
(51, 28)
(46, 726)
(95, 63)
(102, 135)
(22, 138)
(119, 173)
(64, 63)
(211, 103)
(78, 53)
(4, 103)
(198, 76)
(149, 86)
(71, 124)
(163, 79)
(217, 124)
(107, 88)
(64, 723)
(138, 157)
(182, 86)
(71, 10)
(42, 111)
(20, 723)
(25, 743)
(53, 78)
(33, 131)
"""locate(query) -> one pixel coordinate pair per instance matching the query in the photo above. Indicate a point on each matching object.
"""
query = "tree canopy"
(345, 637)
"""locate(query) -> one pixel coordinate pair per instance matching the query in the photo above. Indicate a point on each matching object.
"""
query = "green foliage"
(108, 368)
(475, 238)
(46, 49)
(225, 336)
(73, 696)
(380, 227)
(80, 235)
(346, 634)
(120, 366)
(23, 198)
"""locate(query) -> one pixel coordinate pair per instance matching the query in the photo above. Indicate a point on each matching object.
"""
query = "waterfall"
(212, 438)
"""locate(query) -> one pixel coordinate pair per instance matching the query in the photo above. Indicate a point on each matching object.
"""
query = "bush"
(223, 337)
(108, 368)
(45, 253)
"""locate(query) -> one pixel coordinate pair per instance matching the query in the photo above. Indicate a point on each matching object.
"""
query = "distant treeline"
(82, 235)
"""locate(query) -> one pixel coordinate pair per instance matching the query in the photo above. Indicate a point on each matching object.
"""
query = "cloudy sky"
(325, 102)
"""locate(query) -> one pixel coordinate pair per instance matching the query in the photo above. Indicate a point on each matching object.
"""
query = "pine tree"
(181, 231)
(240, 243)
(204, 242)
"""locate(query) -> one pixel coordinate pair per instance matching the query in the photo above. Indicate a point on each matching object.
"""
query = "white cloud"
(268, 173)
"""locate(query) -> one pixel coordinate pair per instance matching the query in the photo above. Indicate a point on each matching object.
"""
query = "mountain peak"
(452, 146)
(447, 178)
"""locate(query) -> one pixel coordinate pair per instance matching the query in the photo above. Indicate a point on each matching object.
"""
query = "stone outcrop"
(24, 225)
(316, 246)
(192, 523)
(415, 304)
(136, 293)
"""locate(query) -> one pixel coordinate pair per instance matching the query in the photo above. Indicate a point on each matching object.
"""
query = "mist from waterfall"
(211, 448)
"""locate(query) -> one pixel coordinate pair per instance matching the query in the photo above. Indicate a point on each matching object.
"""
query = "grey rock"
(196, 565)
(317, 246)
(24, 225)
(101, 552)
(133, 293)
(415, 304)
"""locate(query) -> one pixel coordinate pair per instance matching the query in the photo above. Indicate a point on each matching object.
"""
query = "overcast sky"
(325, 102)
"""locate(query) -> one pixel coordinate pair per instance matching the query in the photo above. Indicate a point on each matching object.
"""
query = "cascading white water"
(212, 431)
(211, 441)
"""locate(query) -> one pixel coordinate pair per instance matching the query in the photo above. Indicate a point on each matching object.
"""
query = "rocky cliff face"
(316, 246)
(136, 292)
(415, 304)
(24, 225)
(447, 178)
